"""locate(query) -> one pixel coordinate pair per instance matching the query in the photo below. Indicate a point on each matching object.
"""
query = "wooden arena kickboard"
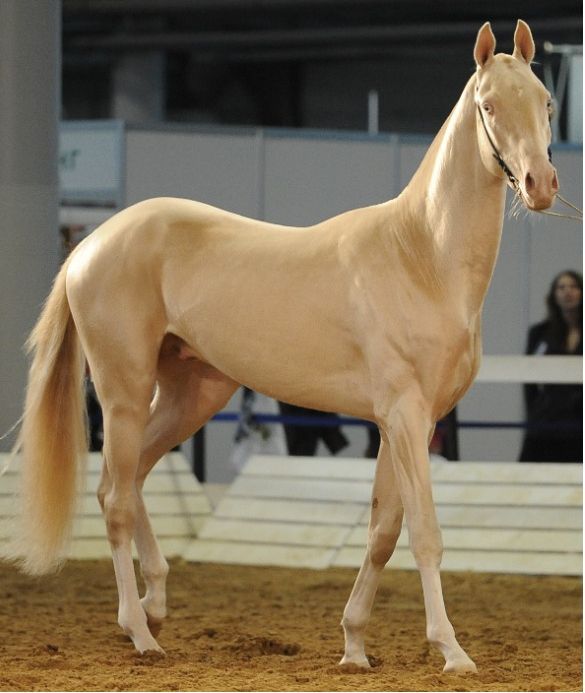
(348, 514)
(96, 548)
(175, 500)
(354, 469)
(443, 493)
(527, 563)
(508, 517)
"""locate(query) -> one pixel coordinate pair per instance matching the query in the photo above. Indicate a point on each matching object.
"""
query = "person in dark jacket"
(303, 440)
(554, 413)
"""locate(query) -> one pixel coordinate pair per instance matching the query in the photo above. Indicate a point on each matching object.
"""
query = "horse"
(374, 313)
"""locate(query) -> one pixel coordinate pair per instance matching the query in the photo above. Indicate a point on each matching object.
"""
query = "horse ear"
(523, 43)
(485, 45)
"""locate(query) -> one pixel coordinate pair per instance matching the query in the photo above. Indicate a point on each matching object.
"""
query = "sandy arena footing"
(269, 629)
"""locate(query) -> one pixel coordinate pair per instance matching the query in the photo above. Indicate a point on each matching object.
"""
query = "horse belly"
(313, 368)
(314, 389)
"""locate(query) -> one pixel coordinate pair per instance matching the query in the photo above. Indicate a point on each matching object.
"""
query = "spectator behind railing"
(554, 413)
(304, 440)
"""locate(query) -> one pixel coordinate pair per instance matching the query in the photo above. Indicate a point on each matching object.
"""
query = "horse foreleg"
(384, 529)
(408, 428)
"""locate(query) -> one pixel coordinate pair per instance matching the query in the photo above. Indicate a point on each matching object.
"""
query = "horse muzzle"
(539, 186)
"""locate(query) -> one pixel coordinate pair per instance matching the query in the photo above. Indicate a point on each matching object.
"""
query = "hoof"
(145, 644)
(154, 620)
(461, 665)
(354, 665)
(152, 652)
(154, 625)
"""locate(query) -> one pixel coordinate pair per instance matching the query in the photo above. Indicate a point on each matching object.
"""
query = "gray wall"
(300, 178)
(30, 65)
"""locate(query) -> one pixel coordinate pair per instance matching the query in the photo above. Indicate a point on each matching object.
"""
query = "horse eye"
(487, 107)
(550, 108)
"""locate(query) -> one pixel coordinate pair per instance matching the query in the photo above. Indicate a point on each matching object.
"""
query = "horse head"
(513, 113)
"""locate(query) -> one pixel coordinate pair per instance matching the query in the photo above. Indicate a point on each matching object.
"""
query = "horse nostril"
(555, 182)
(529, 182)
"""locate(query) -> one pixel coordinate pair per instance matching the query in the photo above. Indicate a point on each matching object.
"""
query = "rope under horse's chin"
(515, 184)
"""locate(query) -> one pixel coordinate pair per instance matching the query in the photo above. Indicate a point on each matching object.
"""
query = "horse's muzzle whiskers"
(518, 205)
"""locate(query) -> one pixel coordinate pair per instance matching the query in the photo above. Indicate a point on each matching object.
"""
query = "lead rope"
(516, 184)
(560, 198)
(15, 450)
(12, 429)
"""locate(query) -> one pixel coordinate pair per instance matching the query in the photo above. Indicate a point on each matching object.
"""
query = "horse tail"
(53, 437)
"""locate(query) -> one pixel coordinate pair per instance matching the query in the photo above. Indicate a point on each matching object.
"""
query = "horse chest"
(456, 374)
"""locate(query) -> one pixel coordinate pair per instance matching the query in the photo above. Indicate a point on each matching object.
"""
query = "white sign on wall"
(91, 162)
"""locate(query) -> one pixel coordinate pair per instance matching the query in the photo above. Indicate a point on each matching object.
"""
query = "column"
(30, 69)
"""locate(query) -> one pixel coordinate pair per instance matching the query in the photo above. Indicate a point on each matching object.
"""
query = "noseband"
(515, 183)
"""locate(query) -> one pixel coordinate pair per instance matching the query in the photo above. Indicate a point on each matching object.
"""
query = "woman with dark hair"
(554, 413)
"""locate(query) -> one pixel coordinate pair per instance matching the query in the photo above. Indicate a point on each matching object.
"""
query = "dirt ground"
(259, 629)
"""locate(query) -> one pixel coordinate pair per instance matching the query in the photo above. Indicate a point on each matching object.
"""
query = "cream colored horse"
(374, 313)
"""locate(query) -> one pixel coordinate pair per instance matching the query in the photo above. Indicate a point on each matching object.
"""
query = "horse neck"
(456, 208)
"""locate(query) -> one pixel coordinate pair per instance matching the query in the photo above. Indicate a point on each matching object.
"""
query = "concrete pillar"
(575, 99)
(138, 84)
(30, 69)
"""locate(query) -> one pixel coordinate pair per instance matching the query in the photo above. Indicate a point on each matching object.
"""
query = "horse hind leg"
(124, 379)
(123, 430)
(189, 393)
(153, 564)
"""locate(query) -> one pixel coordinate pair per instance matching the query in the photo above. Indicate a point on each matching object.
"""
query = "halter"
(515, 183)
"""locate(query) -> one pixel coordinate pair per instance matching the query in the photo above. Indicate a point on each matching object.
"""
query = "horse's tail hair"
(52, 440)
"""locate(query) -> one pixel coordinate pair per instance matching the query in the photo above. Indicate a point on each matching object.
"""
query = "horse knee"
(382, 543)
(427, 548)
(120, 515)
(101, 496)
(155, 571)
(104, 487)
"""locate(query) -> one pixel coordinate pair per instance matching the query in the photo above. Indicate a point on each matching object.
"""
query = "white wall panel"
(220, 169)
(411, 151)
(310, 179)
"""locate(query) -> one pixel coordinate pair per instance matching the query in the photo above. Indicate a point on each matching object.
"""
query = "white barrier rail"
(530, 369)
(177, 504)
(313, 512)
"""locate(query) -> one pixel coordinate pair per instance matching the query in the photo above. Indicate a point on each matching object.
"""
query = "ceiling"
(254, 30)
(300, 63)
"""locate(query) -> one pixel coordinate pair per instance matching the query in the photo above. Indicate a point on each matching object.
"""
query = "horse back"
(270, 306)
